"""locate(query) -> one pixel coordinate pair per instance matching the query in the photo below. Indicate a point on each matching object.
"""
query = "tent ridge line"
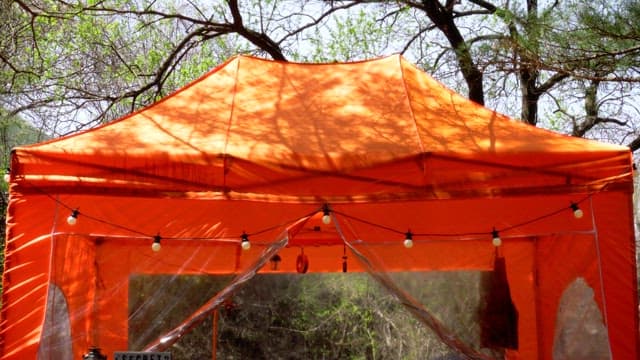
(423, 153)
(232, 107)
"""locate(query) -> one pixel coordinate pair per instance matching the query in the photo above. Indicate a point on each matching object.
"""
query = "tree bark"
(530, 95)
(442, 17)
(261, 40)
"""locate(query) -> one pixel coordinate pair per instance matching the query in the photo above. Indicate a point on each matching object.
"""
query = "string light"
(496, 241)
(73, 218)
(577, 212)
(326, 218)
(156, 243)
(245, 244)
(7, 175)
(94, 354)
(408, 241)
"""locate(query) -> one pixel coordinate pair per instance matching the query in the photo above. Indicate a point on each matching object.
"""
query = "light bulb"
(496, 241)
(326, 218)
(408, 241)
(156, 243)
(326, 214)
(245, 244)
(73, 218)
(156, 246)
(577, 212)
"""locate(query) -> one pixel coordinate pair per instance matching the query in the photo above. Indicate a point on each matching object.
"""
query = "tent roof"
(259, 128)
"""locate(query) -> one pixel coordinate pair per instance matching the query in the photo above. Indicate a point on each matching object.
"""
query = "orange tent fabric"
(256, 146)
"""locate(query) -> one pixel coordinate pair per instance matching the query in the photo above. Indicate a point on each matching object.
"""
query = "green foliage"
(93, 58)
(311, 316)
(13, 132)
(354, 36)
(157, 304)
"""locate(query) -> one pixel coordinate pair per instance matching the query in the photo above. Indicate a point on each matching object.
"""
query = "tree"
(86, 62)
(443, 17)
(305, 316)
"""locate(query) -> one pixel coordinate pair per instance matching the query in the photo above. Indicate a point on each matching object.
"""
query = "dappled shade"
(244, 164)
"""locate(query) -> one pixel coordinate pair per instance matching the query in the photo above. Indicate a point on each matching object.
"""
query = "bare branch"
(461, 14)
(554, 80)
(445, 23)
(486, 38)
(261, 40)
(485, 4)
(414, 37)
(635, 144)
(318, 20)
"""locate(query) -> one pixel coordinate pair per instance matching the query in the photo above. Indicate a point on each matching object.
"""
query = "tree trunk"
(530, 95)
(442, 18)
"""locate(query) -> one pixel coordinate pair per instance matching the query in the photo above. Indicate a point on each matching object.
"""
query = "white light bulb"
(326, 219)
(72, 220)
(578, 213)
(496, 241)
(246, 245)
(156, 246)
(408, 243)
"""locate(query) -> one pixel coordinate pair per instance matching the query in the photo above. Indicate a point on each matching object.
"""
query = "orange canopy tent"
(258, 152)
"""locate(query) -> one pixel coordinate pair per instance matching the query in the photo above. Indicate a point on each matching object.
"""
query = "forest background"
(570, 66)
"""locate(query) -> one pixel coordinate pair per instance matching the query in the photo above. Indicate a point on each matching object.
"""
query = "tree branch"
(635, 144)
(551, 82)
(317, 21)
(485, 4)
(260, 40)
(444, 21)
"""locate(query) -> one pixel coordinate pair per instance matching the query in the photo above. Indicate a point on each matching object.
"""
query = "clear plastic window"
(580, 331)
(56, 337)
(305, 316)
